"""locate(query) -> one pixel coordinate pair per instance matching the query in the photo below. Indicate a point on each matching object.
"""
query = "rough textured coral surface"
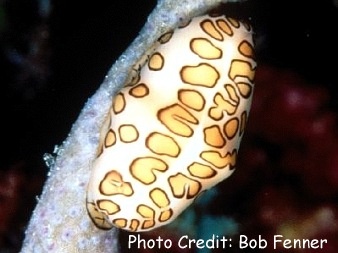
(60, 222)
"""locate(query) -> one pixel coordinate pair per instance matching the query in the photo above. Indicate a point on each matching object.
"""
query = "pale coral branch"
(60, 222)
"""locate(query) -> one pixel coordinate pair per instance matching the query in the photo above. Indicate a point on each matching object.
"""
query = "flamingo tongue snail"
(174, 130)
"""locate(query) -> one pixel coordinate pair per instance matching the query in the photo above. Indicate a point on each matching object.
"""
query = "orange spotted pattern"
(174, 130)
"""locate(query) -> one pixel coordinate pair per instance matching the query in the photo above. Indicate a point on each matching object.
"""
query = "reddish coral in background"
(11, 183)
(18, 190)
(287, 162)
(294, 119)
